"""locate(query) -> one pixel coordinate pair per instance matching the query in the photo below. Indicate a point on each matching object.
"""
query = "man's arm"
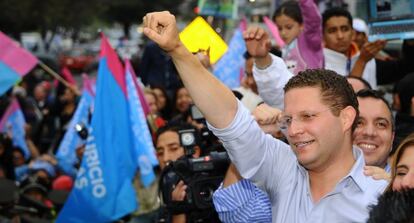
(368, 51)
(203, 87)
(271, 81)
(238, 200)
(270, 72)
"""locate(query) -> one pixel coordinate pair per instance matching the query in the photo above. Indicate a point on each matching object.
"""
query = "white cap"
(359, 25)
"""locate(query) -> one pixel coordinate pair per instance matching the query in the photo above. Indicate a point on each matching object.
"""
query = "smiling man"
(319, 177)
(375, 130)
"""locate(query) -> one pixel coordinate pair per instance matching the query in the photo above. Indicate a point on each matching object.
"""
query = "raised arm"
(368, 52)
(213, 98)
(270, 72)
(312, 20)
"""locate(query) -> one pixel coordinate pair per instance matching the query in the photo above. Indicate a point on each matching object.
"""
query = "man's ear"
(348, 115)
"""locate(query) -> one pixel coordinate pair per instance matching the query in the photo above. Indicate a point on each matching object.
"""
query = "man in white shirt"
(340, 53)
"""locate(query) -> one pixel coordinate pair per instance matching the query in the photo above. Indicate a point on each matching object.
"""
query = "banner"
(228, 67)
(13, 122)
(199, 35)
(144, 148)
(103, 190)
(66, 152)
(15, 62)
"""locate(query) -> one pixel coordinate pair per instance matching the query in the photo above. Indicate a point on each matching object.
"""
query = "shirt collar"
(357, 173)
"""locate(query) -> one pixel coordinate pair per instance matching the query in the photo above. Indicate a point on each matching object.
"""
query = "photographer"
(168, 150)
(188, 181)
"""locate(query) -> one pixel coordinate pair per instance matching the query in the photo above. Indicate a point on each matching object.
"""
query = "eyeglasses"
(304, 117)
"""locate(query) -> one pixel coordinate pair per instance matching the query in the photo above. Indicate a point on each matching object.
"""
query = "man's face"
(374, 134)
(338, 34)
(168, 148)
(315, 134)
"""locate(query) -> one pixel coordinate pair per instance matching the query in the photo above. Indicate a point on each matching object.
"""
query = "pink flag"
(144, 103)
(88, 84)
(68, 76)
(243, 24)
(17, 58)
(275, 32)
(15, 62)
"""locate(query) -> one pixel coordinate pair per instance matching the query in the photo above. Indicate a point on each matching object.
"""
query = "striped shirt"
(242, 202)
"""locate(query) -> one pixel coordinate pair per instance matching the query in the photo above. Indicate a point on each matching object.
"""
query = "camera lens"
(206, 193)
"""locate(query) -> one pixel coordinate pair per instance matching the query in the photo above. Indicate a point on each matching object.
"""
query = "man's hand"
(179, 193)
(377, 173)
(161, 28)
(257, 41)
(267, 118)
(370, 49)
(266, 115)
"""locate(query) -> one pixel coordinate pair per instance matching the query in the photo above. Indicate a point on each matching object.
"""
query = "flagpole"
(58, 77)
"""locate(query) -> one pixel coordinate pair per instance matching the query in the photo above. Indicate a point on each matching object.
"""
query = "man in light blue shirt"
(319, 177)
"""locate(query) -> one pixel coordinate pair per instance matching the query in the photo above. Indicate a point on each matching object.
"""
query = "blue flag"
(228, 68)
(144, 148)
(13, 122)
(65, 154)
(103, 190)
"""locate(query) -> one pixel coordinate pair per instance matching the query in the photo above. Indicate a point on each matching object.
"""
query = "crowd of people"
(310, 136)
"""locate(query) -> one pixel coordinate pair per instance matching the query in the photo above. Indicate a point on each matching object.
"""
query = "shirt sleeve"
(242, 202)
(270, 82)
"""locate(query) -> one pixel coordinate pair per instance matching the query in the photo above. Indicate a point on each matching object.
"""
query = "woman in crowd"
(163, 102)
(402, 169)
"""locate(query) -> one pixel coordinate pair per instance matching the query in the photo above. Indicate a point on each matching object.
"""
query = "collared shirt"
(242, 202)
(339, 63)
(272, 166)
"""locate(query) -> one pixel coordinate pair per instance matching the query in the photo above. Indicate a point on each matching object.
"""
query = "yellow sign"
(199, 35)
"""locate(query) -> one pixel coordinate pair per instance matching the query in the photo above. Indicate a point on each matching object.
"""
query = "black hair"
(405, 92)
(166, 111)
(393, 207)
(335, 12)
(174, 127)
(290, 9)
(6, 157)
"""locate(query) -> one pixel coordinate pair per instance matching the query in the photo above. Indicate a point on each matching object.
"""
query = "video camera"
(207, 139)
(202, 176)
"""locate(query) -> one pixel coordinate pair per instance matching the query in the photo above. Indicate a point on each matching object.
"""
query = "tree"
(47, 15)
(127, 12)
